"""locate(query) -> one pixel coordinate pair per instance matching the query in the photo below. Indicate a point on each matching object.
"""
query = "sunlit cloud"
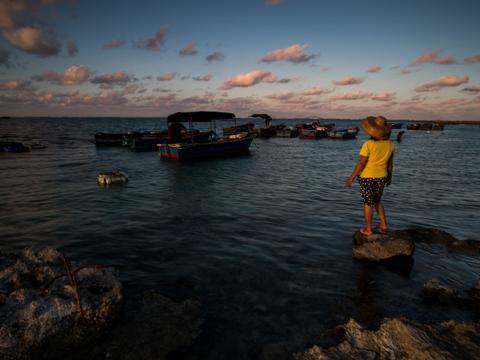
(385, 96)
(281, 96)
(472, 59)
(250, 79)
(14, 85)
(433, 57)
(33, 40)
(316, 91)
(160, 90)
(188, 50)
(73, 75)
(72, 48)
(207, 77)
(11, 9)
(441, 82)
(167, 76)
(374, 69)
(472, 89)
(117, 78)
(294, 54)
(350, 80)
(114, 44)
(356, 95)
(155, 42)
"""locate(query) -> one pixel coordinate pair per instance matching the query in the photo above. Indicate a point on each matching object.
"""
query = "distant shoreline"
(449, 122)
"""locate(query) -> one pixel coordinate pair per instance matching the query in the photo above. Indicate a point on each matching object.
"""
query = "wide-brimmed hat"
(376, 127)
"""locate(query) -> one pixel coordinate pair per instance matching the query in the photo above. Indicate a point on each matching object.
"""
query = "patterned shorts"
(371, 189)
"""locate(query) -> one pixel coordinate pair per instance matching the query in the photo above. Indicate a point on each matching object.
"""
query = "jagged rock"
(39, 315)
(435, 236)
(402, 339)
(379, 247)
(156, 327)
(434, 291)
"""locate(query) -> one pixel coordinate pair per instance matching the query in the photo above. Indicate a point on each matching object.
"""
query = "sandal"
(382, 230)
(363, 231)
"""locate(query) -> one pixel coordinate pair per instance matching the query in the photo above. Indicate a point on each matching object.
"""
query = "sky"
(348, 59)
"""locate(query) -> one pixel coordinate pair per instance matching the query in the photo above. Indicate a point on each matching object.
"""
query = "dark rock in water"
(378, 247)
(435, 236)
(402, 339)
(434, 291)
(39, 313)
(156, 327)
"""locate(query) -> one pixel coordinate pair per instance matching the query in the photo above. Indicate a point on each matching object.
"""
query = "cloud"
(472, 59)
(160, 90)
(385, 96)
(249, 79)
(72, 48)
(281, 96)
(14, 85)
(114, 44)
(130, 89)
(294, 54)
(374, 69)
(357, 95)
(167, 76)
(5, 58)
(316, 91)
(273, 2)
(155, 42)
(188, 50)
(11, 9)
(106, 81)
(433, 57)
(33, 40)
(350, 80)
(207, 77)
(74, 75)
(215, 56)
(441, 82)
(472, 89)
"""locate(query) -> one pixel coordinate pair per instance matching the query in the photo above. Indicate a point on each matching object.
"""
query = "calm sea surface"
(263, 241)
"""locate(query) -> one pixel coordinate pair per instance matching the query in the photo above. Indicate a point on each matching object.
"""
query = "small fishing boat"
(11, 146)
(149, 142)
(213, 147)
(287, 131)
(414, 126)
(395, 125)
(343, 134)
(314, 130)
(248, 128)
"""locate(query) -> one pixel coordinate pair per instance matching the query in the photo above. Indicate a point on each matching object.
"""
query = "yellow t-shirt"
(378, 153)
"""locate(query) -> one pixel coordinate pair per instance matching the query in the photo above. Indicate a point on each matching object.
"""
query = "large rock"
(39, 315)
(379, 247)
(402, 339)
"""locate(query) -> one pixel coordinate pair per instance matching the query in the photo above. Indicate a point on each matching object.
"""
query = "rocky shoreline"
(51, 309)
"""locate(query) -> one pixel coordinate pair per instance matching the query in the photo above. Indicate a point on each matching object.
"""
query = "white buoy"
(115, 177)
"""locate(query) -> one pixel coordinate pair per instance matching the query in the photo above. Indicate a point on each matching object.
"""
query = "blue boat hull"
(217, 148)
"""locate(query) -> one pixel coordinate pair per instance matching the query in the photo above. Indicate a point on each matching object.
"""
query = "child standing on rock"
(374, 170)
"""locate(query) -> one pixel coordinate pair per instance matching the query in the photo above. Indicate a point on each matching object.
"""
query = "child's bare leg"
(368, 213)
(381, 214)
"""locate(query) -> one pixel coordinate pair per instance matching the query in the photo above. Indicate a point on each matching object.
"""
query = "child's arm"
(389, 170)
(362, 162)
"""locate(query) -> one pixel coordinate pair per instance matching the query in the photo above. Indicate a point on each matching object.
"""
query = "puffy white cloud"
(316, 91)
(188, 50)
(350, 80)
(215, 56)
(155, 42)
(433, 57)
(374, 69)
(294, 54)
(281, 96)
(74, 75)
(113, 44)
(167, 76)
(33, 40)
(441, 82)
(249, 79)
(356, 95)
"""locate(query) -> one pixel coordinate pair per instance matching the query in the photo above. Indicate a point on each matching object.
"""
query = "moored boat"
(343, 134)
(395, 125)
(314, 130)
(230, 145)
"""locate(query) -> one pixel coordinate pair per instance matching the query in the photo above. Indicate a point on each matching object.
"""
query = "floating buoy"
(115, 177)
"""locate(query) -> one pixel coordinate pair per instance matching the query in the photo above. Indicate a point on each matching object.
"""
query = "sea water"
(263, 241)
